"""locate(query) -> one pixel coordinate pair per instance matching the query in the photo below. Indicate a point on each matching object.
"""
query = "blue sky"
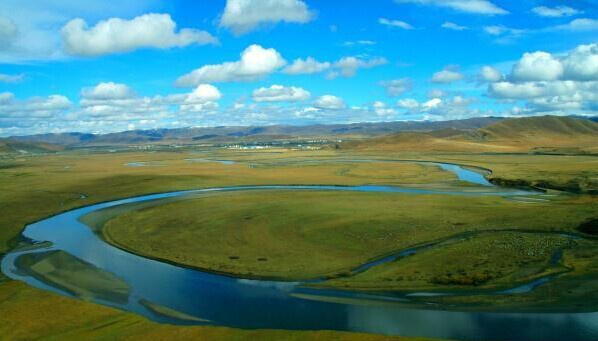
(94, 66)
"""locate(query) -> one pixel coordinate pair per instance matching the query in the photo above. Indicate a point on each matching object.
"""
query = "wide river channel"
(173, 294)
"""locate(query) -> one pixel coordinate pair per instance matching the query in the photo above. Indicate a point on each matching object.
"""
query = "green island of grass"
(480, 243)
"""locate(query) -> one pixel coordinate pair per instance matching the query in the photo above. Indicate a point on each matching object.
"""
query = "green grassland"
(34, 187)
(270, 233)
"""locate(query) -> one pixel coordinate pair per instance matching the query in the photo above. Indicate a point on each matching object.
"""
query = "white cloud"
(329, 102)
(256, 62)
(408, 103)
(579, 64)
(359, 42)
(32, 108)
(306, 66)
(279, 93)
(201, 99)
(544, 89)
(508, 34)
(397, 87)
(431, 104)
(242, 16)
(106, 91)
(582, 63)
(555, 12)
(348, 66)
(118, 35)
(457, 107)
(108, 107)
(381, 109)
(497, 30)
(202, 94)
(4, 78)
(38, 24)
(447, 75)
(490, 74)
(469, 6)
(395, 23)
(561, 84)
(118, 102)
(452, 26)
(345, 66)
(537, 66)
(581, 24)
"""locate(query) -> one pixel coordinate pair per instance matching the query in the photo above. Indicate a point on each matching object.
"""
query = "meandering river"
(173, 294)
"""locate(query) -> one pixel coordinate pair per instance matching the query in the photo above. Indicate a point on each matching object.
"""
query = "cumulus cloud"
(548, 82)
(119, 102)
(448, 75)
(107, 90)
(107, 107)
(397, 87)
(381, 109)
(279, 93)
(537, 66)
(452, 26)
(555, 12)
(329, 102)
(408, 103)
(203, 97)
(256, 62)
(582, 63)
(345, 66)
(306, 66)
(242, 16)
(32, 108)
(456, 107)
(348, 66)
(469, 6)
(431, 104)
(395, 23)
(490, 74)
(527, 90)
(203, 93)
(117, 35)
(4, 78)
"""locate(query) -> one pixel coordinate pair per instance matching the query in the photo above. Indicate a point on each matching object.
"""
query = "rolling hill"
(545, 134)
(11, 146)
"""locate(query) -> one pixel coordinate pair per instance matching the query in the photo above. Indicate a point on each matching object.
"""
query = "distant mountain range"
(249, 134)
(442, 135)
